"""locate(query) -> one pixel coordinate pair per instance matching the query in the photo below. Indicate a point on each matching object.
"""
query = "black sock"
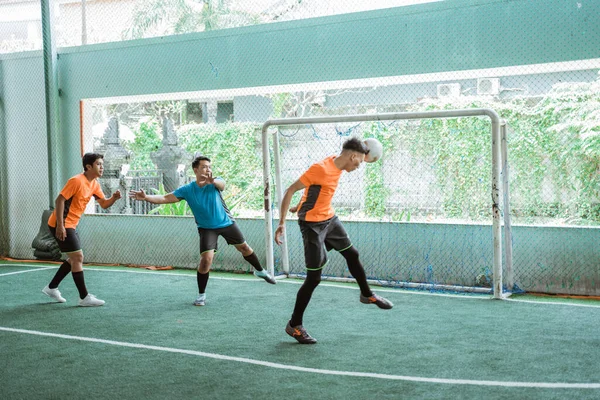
(80, 283)
(357, 270)
(62, 272)
(202, 281)
(313, 278)
(253, 260)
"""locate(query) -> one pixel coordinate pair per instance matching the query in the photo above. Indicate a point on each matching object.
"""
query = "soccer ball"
(375, 150)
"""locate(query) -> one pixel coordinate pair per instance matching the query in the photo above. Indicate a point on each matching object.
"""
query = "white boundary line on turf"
(145, 271)
(553, 385)
(557, 303)
(296, 282)
(40, 268)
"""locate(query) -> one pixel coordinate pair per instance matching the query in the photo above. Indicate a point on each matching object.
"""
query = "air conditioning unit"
(488, 86)
(448, 90)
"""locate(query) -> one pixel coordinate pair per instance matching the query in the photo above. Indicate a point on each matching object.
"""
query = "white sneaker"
(200, 300)
(265, 275)
(90, 301)
(54, 293)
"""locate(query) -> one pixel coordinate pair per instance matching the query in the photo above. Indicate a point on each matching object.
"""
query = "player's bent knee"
(204, 269)
(350, 254)
(205, 262)
(75, 258)
(244, 249)
(313, 278)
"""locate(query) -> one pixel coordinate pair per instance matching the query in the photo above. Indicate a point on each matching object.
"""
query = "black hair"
(355, 144)
(90, 159)
(197, 160)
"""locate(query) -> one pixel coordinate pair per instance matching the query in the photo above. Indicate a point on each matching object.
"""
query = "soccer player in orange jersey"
(322, 230)
(70, 205)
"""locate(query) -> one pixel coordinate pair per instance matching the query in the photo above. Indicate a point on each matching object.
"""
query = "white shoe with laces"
(90, 301)
(200, 300)
(265, 275)
(54, 293)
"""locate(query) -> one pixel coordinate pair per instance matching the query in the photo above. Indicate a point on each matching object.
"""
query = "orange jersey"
(321, 180)
(78, 192)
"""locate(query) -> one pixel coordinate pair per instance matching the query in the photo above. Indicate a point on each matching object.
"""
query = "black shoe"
(378, 300)
(299, 333)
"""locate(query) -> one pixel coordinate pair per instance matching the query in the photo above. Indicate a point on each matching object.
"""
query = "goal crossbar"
(499, 163)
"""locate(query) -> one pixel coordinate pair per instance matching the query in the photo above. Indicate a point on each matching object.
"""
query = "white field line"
(552, 385)
(22, 272)
(556, 303)
(281, 279)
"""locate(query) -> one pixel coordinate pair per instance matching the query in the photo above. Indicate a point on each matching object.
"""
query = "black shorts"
(208, 237)
(319, 238)
(70, 244)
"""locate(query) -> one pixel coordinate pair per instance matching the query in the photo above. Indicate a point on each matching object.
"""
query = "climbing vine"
(234, 151)
(376, 193)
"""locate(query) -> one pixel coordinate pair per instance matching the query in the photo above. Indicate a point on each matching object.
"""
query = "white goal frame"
(499, 179)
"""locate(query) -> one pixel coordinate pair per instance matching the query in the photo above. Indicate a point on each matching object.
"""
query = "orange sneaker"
(378, 300)
(299, 333)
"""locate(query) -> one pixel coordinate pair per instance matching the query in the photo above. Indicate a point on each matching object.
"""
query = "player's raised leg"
(250, 256)
(358, 272)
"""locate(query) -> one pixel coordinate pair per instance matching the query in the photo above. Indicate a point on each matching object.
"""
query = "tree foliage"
(169, 17)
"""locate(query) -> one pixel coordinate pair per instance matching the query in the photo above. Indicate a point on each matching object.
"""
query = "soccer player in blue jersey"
(213, 219)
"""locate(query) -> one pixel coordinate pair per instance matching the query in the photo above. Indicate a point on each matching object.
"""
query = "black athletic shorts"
(319, 238)
(208, 237)
(71, 242)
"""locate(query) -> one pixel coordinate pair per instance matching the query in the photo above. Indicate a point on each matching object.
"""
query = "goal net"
(427, 215)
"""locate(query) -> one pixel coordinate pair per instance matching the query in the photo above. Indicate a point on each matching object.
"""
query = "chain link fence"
(422, 214)
(82, 22)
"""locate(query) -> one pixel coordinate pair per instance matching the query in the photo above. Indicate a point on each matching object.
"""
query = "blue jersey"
(207, 204)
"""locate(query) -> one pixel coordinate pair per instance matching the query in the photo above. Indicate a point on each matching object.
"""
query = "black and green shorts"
(208, 237)
(71, 243)
(319, 238)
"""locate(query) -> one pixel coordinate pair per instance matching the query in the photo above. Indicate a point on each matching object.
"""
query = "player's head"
(94, 163)
(353, 153)
(201, 164)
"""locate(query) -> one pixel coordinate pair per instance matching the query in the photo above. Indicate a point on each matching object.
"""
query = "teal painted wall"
(160, 241)
(546, 259)
(434, 37)
(4, 233)
(24, 182)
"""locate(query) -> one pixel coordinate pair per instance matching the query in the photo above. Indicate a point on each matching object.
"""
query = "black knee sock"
(253, 260)
(313, 278)
(356, 269)
(80, 283)
(62, 272)
(202, 281)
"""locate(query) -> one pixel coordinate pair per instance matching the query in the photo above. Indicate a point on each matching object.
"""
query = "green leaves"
(168, 17)
(146, 141)
(180, 208)
(376, 193)
(553, 150)
(235, 155)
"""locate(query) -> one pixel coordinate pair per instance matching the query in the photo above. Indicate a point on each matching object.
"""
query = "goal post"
(499, 181)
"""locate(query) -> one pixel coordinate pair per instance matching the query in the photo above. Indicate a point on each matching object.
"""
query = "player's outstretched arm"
(154, 199)
(105, 203)
(283, 209)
